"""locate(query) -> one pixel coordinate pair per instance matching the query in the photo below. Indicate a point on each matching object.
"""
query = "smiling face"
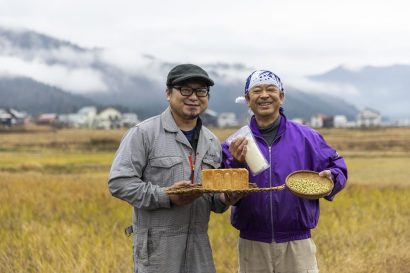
(186, 108)
(265, 101)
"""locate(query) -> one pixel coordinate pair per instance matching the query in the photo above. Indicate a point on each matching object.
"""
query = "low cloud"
(36, 49)
(135, 63)
(75, 79)
(341, 90)
(69, 56)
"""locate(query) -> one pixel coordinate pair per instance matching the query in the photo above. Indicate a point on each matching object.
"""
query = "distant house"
(369, 118)
(71, 121)
(46, 119)
(209, 118)
(317, 121)
(298, 120)
(109, 118)
(402, 122)
(328, 122)
(129, 119)
(84, 118)
(63, 121)
(340, 121)
(87, 117)
(88, 114)
(6, 119)
(11, 117)
(227, 120)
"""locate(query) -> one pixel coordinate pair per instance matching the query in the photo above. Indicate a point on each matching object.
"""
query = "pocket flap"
(210, 161)
(165, 162)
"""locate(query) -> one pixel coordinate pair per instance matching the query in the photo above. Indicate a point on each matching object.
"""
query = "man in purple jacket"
(275, 226)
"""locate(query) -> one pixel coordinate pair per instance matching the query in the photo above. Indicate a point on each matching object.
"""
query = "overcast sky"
(292, 38)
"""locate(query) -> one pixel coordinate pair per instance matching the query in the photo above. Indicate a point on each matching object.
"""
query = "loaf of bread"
(220, 179)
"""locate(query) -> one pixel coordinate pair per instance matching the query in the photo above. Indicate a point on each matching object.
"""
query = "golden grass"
(365, 230)
(58, 216)
(49, 161)
(39, 138)
(61, 223)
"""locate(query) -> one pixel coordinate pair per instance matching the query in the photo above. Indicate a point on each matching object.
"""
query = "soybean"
(309, 186)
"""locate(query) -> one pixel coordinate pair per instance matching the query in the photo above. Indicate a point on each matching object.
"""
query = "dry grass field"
(56, 214)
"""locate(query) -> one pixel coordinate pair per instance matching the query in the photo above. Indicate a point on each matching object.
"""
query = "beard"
(187, 114)
(192, 115)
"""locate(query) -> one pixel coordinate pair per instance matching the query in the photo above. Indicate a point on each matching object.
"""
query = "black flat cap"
(184, 72)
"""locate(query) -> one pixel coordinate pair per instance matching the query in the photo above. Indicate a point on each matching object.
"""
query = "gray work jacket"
(154, 155)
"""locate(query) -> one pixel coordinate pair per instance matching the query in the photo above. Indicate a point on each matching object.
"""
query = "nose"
(193, 96)
(264, 93)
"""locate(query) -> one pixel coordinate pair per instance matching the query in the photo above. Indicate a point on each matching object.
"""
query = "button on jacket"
(154, 155)
(280, 216)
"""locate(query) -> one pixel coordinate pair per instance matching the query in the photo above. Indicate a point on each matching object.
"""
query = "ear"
(247, 99)
(168, 94)
(282, 97)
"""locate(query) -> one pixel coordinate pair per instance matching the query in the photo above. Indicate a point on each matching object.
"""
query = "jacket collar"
(169, 125)
(168, 121)
(255, 129)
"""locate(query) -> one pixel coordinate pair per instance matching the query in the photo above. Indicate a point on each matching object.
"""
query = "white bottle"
(254, 157)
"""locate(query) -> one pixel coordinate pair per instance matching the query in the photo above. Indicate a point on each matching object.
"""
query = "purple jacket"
(280, 216)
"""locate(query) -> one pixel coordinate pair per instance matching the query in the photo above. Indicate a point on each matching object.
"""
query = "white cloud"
(341, 90)
(131, 61)
(69, 56)
(291, 37)
(71, 79)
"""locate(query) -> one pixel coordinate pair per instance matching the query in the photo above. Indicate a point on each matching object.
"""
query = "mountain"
(384, 88)
(29, 40)
(35, 97)
(67, 76)
(298, 104)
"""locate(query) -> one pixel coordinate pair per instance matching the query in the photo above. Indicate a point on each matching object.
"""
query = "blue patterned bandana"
(262, 77)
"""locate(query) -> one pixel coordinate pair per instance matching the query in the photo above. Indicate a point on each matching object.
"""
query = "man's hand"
(238, 148)
(231, 198)
(183, 198)
(327, 173)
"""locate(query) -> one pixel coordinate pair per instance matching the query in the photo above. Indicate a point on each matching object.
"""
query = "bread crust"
(220, 179)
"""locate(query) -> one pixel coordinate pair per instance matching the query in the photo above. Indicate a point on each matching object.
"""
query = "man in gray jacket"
(167, 151)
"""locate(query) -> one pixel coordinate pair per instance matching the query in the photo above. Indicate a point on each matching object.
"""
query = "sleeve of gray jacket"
(126, 172)
(216, 204)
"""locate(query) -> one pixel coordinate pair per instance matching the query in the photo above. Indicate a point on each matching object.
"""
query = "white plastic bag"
(254, 157)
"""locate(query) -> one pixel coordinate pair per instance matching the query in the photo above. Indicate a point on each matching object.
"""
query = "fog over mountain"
(137, 81)
(385, 89)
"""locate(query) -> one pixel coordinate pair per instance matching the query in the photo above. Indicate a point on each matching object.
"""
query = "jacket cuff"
(220, 206)
(335, 174)
(163, 198)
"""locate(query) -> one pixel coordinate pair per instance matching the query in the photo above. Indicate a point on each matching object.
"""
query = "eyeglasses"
(187, 91)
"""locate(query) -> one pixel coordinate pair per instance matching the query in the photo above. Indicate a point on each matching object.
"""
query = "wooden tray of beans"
(308, 184)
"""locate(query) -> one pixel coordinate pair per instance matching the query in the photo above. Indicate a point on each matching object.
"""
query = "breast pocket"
(210, 162)
(165, 171)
